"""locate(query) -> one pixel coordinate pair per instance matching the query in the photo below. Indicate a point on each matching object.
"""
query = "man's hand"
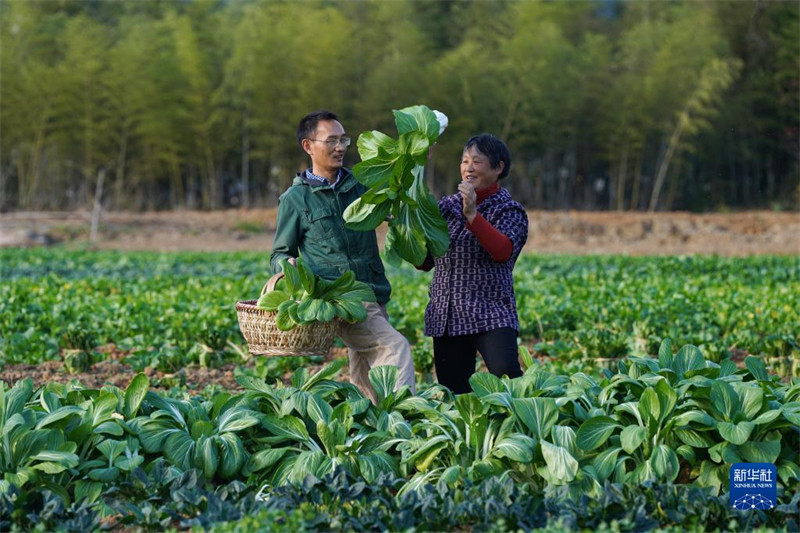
(468, 199)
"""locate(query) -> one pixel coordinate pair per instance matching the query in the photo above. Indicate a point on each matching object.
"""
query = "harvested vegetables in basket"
(303, 297)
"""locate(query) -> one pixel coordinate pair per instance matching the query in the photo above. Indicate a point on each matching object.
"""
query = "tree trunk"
(2, 188)
(98, 201)
(28, 191)
(119, 173)
(661, 173)
(245, 203)
(511, 113)
(673, 185)
(636, 191)
(622, 178)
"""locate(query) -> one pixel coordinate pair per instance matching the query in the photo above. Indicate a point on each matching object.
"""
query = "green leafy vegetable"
(394, 172)
(307, 298)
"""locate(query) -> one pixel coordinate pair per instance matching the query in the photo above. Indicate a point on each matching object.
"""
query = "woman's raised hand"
(468, 200)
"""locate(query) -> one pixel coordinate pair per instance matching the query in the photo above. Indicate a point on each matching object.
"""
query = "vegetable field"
(646, 378)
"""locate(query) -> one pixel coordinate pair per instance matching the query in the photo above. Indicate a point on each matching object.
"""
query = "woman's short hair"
(493, 148)
(308, 124)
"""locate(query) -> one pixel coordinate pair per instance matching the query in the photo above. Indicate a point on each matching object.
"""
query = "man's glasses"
(333, 143)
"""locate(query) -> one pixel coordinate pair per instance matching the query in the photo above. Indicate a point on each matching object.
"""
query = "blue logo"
(753, 486)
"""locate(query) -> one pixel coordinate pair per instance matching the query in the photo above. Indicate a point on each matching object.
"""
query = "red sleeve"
(498, 245)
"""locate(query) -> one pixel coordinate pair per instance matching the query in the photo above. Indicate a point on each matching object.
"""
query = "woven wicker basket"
(264, 338)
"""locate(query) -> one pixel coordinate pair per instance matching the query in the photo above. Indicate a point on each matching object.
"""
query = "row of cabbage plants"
(77, 457)
(171, 310)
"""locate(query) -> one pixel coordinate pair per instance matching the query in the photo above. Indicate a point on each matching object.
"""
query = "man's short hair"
(308, 124)
(493, 148)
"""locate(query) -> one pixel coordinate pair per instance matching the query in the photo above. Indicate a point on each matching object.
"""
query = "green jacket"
(311, 225)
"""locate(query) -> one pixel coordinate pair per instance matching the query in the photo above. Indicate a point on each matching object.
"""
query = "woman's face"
(477, 170)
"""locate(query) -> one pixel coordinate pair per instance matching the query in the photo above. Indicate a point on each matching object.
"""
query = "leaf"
(209, 456)
(605, 462)
(284, 320)
(665, 462)
(665, 353)
(406, 241)
(694, 438)
(370, 142)
(232, 453)
(111, 427)
(667, 398)
(318, 409)
(415, 144)
(88, 491)
(594, 432)
(757, 368)
(325, 373)
(363, 216)
(688, 358)
(752, 398)
(350, 311)
(65, 459)
(374, 172)
(538, 414)
(561, 464)
(272, 299)
(128, 463)
(767, 417)
(418, 117)
(308, 308)
(688, 417)
(437, 237)
(237, 419)
(60, 414)
(112, 449)
(291, 277)
(632, 437)
(179, 449)
(310, 463)
(104, 406)
(105, 475)
(484, 384)
(516, 447)
(724, 399)
(359, 292)
(564, 436)
(326, 312)
(307, 276)
(289, 427)
(373, 464)
(134, 394)
(765, 451)
(383, 379)
(735, 433)
(265, 458)
(649, 405)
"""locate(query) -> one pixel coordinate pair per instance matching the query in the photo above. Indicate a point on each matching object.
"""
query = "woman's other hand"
(468, 200)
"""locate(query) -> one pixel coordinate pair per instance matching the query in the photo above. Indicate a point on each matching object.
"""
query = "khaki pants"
(375, 342)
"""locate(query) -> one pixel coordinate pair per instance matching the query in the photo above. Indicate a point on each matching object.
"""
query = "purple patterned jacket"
(470, 292)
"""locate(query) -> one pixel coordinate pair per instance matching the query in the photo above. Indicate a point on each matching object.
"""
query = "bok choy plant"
(304, 297)
(393, 169)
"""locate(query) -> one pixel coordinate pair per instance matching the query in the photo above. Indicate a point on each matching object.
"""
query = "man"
(311, 224)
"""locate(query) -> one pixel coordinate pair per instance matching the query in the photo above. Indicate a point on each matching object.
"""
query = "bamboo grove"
(605, 104)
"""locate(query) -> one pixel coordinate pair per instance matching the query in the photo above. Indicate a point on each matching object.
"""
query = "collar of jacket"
(347, 182)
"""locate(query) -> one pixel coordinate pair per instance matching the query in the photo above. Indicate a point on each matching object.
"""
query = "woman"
(472, 306)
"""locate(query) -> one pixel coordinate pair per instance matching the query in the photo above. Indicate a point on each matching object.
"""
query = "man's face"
(326, 154)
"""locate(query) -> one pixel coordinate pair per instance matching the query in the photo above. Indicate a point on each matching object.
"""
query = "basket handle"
(269, 286)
